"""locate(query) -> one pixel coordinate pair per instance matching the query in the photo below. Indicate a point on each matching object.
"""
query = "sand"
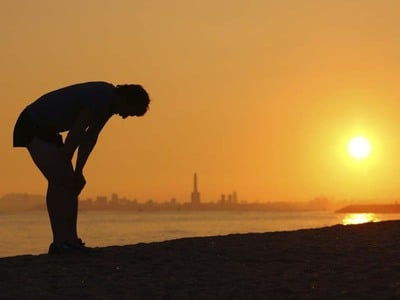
(338, 262)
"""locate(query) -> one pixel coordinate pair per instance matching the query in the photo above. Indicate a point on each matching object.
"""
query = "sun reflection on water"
(352, 219)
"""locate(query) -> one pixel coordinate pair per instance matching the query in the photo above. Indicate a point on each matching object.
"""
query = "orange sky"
(260, 97)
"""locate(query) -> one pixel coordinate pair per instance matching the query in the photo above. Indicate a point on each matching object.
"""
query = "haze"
(260, 97)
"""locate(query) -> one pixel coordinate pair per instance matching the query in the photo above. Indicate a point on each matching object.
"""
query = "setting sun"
(359, 147)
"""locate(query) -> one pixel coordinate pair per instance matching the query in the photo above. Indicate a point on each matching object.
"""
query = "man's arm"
(83, 134)
(84, 140)
(88, 142)
(76, 133)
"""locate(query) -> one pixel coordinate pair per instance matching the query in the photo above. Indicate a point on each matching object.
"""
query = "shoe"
(68, 248)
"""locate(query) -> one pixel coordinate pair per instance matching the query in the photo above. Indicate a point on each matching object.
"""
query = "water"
(29, 232)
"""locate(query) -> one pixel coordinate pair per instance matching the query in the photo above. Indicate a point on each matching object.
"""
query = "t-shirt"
(56, 111)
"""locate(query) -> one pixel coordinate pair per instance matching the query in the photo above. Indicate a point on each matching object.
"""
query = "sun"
(359, 147)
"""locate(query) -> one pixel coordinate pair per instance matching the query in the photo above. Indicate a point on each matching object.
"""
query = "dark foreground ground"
(339, 262)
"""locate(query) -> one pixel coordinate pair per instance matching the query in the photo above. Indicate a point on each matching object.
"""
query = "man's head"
(133, 100)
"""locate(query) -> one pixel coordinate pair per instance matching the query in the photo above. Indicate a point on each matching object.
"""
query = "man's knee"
(63, 181)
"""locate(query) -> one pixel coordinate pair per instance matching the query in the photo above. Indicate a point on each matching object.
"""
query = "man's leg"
(62, 202)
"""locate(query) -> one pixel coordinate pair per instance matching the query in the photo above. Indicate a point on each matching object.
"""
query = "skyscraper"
(195, 194)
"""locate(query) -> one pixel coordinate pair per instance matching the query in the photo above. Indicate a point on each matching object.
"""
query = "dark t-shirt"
(56, 111)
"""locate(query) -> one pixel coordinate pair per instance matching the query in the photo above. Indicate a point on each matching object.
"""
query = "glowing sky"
(258, 96)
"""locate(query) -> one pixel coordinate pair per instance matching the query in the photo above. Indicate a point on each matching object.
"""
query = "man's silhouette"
(82, 110)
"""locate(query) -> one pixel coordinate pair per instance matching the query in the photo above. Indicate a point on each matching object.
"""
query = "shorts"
(25, 130)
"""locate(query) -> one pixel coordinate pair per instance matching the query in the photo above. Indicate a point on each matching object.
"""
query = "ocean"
(28, 232)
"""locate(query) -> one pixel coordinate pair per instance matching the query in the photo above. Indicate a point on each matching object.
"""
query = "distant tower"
(234, 197)
(195, 194)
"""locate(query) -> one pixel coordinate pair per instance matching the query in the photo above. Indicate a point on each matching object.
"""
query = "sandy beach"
(338, 262)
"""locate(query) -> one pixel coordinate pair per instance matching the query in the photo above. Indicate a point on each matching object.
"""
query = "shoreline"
(346, 262)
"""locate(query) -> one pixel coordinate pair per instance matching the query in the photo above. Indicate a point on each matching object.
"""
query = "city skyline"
(25, 202)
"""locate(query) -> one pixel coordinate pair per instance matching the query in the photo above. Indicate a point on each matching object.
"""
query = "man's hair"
(136, 96)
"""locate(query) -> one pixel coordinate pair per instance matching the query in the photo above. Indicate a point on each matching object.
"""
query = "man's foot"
(77, 247)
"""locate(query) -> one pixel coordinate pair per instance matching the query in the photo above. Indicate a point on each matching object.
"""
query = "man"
(82, 110)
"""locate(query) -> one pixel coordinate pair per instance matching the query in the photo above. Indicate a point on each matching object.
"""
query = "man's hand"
(80, 182)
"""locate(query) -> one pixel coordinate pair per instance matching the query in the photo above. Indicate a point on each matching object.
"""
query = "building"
(195, 197)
